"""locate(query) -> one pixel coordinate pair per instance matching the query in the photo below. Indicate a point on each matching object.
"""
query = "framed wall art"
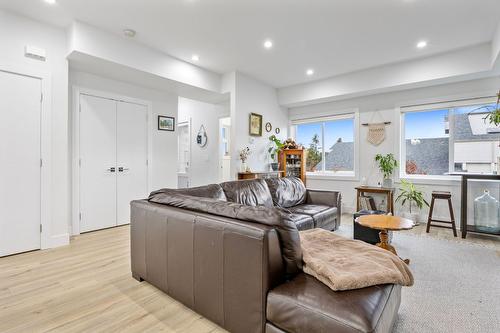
(166, 123)
(255, 124)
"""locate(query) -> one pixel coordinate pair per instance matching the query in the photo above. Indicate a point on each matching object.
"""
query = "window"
(443, 138)
(330, 144)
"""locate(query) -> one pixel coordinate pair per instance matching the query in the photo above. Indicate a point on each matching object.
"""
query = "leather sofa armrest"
(324, 197)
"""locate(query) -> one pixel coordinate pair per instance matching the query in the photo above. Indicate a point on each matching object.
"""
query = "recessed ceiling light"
(268, 43)
(422, 44)
(310, 72)
(50, 2)
(129, 32)
(195, 57)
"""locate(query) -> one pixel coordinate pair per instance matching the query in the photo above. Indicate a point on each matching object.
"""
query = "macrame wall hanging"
(376, 130)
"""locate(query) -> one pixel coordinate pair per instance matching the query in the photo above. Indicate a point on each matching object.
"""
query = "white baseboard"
(59, 240)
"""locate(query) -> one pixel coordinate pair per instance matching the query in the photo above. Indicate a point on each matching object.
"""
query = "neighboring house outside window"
(440, 140)
(330, 144)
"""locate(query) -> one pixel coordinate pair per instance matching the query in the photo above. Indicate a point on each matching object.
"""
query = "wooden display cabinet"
(293, 163)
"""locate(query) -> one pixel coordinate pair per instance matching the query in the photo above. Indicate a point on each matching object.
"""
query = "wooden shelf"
(293, 163)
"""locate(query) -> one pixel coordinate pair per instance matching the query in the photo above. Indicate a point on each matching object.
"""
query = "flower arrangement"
(244, 153)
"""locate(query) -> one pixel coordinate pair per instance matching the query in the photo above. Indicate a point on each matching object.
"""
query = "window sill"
(347, 176)
(431, 180)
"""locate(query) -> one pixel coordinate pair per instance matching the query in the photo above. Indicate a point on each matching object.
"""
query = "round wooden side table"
(384, 223)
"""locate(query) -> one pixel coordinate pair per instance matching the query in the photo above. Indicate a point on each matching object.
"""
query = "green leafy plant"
(410, 194)
(278, 145)
(493, 115)
(387, 164)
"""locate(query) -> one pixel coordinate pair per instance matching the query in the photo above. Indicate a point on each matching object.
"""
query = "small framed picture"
(166, 123)
(255, 124)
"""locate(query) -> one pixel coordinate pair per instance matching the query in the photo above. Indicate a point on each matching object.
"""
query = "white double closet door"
(113, 162)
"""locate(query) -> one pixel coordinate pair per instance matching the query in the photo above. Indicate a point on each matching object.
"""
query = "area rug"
(457, 285)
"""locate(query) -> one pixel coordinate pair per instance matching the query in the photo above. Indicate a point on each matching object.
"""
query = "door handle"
(112, 169)
(121, 169)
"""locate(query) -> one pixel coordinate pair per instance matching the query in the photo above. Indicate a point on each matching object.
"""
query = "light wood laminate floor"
(87, 287)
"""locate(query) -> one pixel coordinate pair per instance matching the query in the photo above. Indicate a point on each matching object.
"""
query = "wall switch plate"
(34, 52)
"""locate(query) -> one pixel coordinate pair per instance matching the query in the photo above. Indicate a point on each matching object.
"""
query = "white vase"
(412, 216)
(243, 166)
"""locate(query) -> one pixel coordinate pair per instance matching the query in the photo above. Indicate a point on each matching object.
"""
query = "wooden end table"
(384, 223)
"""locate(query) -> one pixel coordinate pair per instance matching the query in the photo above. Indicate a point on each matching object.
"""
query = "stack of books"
(367, 203)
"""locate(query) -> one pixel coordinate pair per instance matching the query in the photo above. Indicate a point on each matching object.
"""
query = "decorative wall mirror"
(269, 127)
(201, 138)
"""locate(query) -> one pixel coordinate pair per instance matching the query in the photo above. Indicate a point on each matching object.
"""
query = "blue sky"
(428, 124)
(333, 131)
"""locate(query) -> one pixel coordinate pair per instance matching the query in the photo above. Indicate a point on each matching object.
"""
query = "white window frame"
(451, 105)
(331, 175)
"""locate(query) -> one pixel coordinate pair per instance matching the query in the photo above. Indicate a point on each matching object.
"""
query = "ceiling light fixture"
(310, 72)
(195, 58)
(422, 44)
(129, 32)
(50, 2)
(268, 44)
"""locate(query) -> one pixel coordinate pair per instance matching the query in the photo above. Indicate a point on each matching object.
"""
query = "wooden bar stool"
(444, 196)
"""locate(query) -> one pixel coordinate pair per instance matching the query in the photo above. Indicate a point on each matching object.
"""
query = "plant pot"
(274, 166)
(412, 216)
(387, 183)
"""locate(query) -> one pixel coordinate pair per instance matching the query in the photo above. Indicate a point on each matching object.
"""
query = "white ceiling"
(331, 36)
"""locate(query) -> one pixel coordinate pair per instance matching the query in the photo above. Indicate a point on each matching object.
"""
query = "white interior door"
(184, 154)
(20, 174)
(98, 163)
(132, 155)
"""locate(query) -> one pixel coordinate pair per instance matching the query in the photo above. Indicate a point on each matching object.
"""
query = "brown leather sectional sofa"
(231, 252)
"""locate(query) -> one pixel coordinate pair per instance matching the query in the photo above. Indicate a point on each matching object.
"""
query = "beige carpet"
(457, 285)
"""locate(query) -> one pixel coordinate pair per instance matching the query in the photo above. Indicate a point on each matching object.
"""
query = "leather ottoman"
(367, 234)
(306, 305)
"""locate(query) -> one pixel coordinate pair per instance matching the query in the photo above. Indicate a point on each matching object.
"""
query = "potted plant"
(493, 116)
(386, 164)
(276, 146)
(410, 194)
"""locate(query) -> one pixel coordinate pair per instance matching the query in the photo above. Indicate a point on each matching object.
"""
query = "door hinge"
(41, 97)
(41, 228)
(79, 162)
(79, 108)
(41, 163)
(80, 216)
(147, 162)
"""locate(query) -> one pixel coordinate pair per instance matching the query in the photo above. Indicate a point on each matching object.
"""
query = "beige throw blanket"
(344, 264)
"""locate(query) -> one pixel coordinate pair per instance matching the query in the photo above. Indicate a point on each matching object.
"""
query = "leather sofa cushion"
(306, 305)
(303, 222)
(212, 191)
(252, 192)
(323, 216)
(287, 192)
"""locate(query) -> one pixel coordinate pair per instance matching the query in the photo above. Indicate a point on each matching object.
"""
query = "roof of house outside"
(340, 157)
(463, 131)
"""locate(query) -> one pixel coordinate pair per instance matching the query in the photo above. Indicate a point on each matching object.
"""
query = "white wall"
(15, 33)
(388, 105)
(88, 40)
(254, 96)
(456, 66)
(204, 167)
(164, 144)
